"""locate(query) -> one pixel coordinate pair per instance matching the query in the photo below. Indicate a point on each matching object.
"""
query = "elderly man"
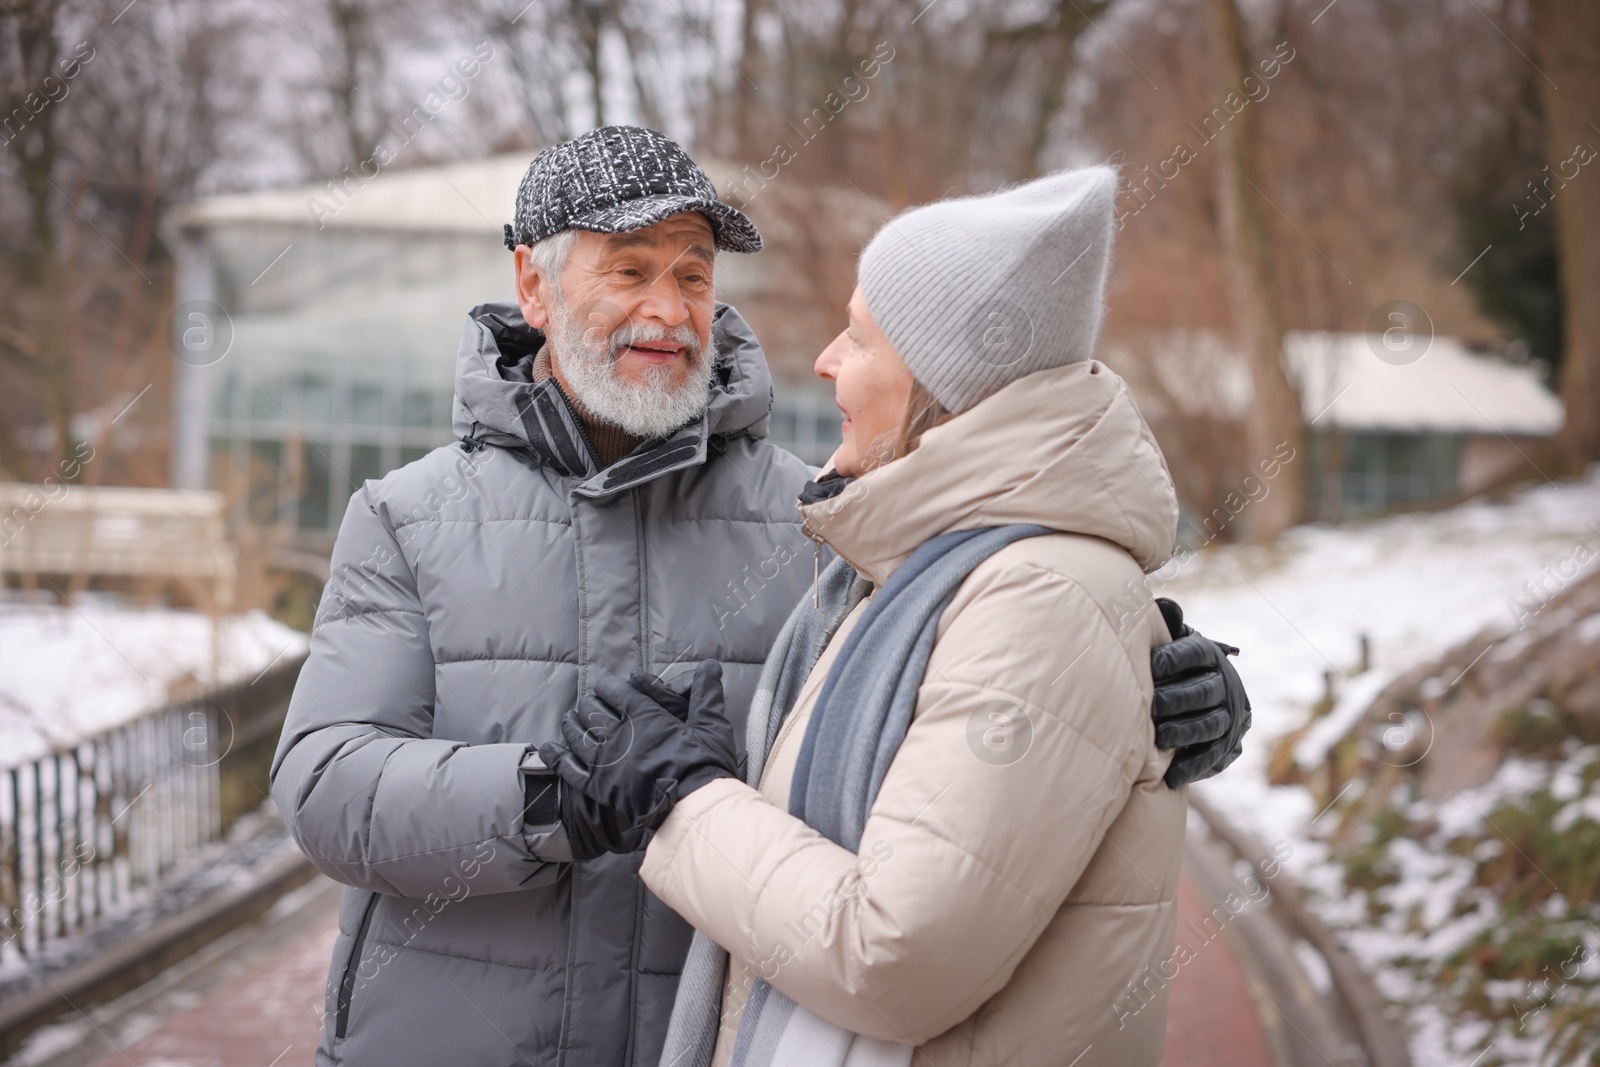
(612, 504)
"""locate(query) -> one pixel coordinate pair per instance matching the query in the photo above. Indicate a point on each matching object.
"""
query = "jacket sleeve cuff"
(546, 839)
(712, 859)
(670, 858)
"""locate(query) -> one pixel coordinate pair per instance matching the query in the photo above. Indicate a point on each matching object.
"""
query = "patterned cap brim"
(734, 232)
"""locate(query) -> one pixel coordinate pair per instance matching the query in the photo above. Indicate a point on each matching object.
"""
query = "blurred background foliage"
(1390, 145)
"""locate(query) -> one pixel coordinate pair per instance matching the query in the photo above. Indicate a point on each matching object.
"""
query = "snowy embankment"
(69, 672)
(1415, 585)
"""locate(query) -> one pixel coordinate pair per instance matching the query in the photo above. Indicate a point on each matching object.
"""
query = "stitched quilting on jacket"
(474, 594)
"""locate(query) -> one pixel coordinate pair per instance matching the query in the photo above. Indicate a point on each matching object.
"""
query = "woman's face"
(871, 385)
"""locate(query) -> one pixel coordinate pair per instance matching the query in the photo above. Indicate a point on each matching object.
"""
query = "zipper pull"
(816, 565)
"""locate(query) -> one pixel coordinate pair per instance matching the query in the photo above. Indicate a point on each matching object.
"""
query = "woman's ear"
(533, 290)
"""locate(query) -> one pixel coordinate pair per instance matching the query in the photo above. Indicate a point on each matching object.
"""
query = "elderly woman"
(955, 836)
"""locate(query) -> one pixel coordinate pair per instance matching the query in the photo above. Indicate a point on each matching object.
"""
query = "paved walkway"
(270, 1015)
(1211, 1019)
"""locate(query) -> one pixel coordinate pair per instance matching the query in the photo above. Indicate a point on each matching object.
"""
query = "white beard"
(649, 408)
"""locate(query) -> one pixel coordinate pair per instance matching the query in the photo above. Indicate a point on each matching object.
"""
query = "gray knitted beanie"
(979, 291)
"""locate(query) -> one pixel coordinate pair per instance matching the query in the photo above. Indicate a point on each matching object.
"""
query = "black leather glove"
(592, 828)
(674, 700)
(629, 753)
(1200, 706)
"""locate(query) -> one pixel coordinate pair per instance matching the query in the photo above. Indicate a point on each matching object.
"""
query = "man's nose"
(664, 302)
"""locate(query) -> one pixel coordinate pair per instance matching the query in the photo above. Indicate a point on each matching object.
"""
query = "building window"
(1376, 472)
(805, 421)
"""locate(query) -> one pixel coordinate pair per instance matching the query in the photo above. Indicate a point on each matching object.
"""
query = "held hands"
(636, 747)
(1200, 706)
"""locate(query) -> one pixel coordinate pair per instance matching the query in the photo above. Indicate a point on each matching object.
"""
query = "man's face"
(630, 323)
(660, 275)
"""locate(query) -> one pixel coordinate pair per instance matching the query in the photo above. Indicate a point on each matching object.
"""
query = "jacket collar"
(1064, 448)
(498, 404)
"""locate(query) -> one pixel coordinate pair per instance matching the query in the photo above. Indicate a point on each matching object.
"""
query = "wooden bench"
(91, 531)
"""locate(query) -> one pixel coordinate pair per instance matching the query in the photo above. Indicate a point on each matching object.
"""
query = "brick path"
(1211, 1017)
(270, 1016)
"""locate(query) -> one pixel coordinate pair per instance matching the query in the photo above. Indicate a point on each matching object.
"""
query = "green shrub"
(1544, 885)
(1538, 730)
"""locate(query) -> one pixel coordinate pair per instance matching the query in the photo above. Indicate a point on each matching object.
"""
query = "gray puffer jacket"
(474, 594)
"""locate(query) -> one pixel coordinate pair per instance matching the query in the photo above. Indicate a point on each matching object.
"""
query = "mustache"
(631, 333)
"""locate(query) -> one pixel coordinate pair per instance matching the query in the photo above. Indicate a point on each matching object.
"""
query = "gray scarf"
(860, 718)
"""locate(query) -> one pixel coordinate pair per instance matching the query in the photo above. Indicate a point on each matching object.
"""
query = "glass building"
(316, 331)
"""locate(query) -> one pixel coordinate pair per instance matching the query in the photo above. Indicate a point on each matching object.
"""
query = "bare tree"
(354, 90)
(132, 109)
(907, 103)
(567, 65)
(1275, 416)
(362, 113)
(31, 33)
(1567, 37)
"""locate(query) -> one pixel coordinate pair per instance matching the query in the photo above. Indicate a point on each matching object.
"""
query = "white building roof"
(474, 196)
(1345, 382)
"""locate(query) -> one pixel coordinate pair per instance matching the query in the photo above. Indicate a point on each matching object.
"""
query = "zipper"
(633, 971)
(644, 579)
(644, 665)
(567, 991)
(347, 983)
(583, 438)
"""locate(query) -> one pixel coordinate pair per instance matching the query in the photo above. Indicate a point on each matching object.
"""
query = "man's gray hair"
(550, 257)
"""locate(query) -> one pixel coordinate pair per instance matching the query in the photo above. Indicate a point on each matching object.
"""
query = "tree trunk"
(361, 54)
(744, 100)
(589, 20)
(40, 313)
(1274, 419)
(1567, 51)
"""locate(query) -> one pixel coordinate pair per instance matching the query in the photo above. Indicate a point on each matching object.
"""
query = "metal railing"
(90, 827)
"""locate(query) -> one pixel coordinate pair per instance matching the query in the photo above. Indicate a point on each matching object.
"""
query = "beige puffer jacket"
(1020, 864)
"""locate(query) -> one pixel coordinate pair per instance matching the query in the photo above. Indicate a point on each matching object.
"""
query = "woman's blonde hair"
(923, 413)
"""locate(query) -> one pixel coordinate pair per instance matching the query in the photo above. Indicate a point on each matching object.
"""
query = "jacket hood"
(497, 403)
(1065, 448)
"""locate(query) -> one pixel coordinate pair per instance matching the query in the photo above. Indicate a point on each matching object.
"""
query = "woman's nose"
(827, 365)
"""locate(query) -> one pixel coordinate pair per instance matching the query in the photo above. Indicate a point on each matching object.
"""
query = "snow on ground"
(1415, 584)
(68, 672)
